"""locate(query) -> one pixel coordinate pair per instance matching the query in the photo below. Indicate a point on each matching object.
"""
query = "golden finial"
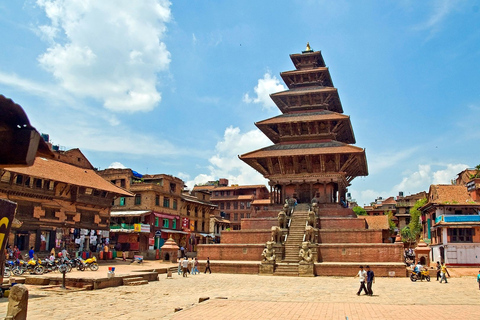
(308, 47)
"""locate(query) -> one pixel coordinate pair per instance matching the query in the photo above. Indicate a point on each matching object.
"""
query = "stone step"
(127, 281)
(136, 283)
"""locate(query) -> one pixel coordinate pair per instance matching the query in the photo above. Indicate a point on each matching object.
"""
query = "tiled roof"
(376, 222)
(304, 116)
(240, 187)
(290, 149)
(200, 188)
(66, 173)
(449, 194)
(261, 201)
(389, 200)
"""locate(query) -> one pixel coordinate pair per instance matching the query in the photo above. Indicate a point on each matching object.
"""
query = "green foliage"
(391, 225)
(412, 232)
(359, 211)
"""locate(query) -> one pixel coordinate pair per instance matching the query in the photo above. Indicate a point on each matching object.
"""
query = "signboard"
(7, 213)
(158, 233)
(151, 241)
(185, 224)
(141, 227)
(471, 186)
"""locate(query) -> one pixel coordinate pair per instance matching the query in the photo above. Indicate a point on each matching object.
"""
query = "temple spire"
(308, 49)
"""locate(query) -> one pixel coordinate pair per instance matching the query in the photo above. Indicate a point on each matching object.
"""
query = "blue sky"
(175, 88)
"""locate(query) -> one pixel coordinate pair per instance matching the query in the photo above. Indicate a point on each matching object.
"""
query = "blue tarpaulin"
(137, 175)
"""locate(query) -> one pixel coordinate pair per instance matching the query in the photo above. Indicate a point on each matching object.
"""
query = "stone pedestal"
(279, 251)
(266, 268)
(17, 303)
(306, 269)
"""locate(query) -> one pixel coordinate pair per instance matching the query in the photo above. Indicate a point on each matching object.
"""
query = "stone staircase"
(289, 265)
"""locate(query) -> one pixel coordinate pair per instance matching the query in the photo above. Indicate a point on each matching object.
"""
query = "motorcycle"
(76, 263)
(91, 263)
(423, 274)
(34, 266)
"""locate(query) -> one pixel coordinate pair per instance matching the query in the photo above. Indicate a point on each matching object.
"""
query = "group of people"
(187, 266)
(12, 253)
(367, 276)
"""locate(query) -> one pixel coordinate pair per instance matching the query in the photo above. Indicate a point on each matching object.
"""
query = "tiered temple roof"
(312, 137)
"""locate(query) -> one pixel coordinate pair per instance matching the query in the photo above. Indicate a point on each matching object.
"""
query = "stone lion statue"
(282, 219)
(311, 218)
(310, 234)
(305, 253)
(276, 234)
(268, 253)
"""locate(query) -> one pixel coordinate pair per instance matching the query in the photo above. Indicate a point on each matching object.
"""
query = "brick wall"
(350, 270)
(342, 223)
(343, 236)
(245, 236)
(242, 252)
(360, 253)
(258, 223)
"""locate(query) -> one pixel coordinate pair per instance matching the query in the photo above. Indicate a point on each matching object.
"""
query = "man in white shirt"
(185, 266)
(362, 274)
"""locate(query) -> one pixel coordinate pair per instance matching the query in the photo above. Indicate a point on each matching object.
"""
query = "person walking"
(370, 280)
(444, 273)
(207, 266)
(192, 266)
(179, 271)
(195, 266)
(478, 279)
(362, 274)
(185, 267)
(439, 268)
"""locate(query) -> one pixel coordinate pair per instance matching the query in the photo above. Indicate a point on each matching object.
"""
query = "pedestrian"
(185, 267)
(478, 279)
(439, 268)
(9, 252)
(370, 280)
(207, 266)
(31, 253)
(444, 273)
(179, 271)
(362, 274)
(192, 266)
(195, 266)
(16, 253)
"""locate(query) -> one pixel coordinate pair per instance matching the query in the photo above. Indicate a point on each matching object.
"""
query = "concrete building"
(403, 206)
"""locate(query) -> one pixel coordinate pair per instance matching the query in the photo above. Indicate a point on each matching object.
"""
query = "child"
(478, 279)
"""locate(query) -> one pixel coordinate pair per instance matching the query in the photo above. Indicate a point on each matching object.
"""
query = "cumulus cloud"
(267, 85)
(118, 65)
(446, 175)
(116, 165)
(225, 162)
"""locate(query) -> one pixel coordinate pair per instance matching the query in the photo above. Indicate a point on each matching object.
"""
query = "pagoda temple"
(309, 230)
(312, 156)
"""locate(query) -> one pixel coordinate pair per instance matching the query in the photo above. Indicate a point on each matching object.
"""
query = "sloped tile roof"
(376, 222)
(59, 171)
(449, 194)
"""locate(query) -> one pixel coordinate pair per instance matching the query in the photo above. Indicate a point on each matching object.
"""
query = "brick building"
(59, 203)
(160, 209)
(451, 223)
(235, 201)
(404, 205)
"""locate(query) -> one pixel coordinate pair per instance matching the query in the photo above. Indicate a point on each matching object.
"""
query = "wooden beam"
(270, 165)
(350, 159)
(282, 167)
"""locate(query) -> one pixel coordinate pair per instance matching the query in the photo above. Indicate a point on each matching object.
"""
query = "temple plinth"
(313, 155)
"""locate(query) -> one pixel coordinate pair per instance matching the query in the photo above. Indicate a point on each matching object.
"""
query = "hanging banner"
(141, 227)
(186, 224)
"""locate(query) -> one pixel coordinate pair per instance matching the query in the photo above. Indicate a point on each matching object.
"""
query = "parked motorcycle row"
(38, 266)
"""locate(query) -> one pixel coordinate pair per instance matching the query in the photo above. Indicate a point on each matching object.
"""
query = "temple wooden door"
(304, 193)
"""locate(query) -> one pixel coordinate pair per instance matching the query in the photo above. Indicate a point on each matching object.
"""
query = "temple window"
(166, 202)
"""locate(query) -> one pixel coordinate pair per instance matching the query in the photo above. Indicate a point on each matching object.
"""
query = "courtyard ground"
(235, 296)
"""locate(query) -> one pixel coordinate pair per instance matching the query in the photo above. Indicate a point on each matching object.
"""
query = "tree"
(391, 225)
(359, 211)
(411, 233)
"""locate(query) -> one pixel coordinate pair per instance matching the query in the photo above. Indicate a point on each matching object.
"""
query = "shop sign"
(158, 233)
(151, 241)
(141, 227)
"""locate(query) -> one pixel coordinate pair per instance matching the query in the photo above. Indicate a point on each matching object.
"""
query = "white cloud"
(447, 175)
(226, 164)
(418, 180)
(267, 85)
(118, 65)
(116, 165)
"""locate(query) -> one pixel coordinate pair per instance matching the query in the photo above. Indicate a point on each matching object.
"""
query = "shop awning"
(136, 213)
(174, 231)
(166, 216)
